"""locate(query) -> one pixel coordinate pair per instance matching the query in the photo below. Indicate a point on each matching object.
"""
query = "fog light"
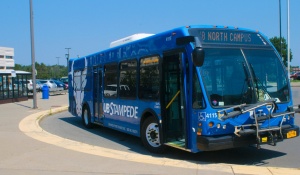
(218, 125)
(224, 126)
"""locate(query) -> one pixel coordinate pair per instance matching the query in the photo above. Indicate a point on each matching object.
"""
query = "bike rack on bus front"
(256, 128)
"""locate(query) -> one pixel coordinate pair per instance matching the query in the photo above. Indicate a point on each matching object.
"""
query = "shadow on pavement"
(108, 138)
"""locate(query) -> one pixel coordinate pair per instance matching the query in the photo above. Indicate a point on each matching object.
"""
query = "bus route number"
(202, 116)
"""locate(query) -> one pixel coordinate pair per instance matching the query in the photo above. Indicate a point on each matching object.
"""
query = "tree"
(44, 71)
(276, 42)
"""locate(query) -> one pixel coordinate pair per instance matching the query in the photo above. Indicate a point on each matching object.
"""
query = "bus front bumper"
(213, 143)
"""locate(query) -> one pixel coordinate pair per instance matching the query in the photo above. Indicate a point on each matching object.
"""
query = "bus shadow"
(124, 142)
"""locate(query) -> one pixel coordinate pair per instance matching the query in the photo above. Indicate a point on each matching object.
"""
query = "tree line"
(45, 71)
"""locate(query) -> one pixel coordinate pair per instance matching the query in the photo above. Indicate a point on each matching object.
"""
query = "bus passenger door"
(173, 101)
(97, 94)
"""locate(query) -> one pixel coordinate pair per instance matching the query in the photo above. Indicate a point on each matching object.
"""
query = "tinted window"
(128, 78)
(110, 80)
(149, 78)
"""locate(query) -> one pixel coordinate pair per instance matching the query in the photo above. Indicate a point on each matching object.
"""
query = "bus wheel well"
(151, 133)
(146, 115)
(86, 116)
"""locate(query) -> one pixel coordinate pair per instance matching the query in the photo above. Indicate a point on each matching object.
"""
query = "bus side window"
(128, 79)
(198, 100)
(149, 78)
(110, 80)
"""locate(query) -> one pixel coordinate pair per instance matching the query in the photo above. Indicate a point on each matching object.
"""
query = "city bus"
(196, 88)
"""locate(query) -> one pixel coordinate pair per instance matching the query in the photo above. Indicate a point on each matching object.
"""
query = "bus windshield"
(234, 76)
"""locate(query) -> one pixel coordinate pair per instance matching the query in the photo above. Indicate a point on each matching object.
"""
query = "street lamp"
(57, 67)
(67, 57)
(32, 56)
(280, 29)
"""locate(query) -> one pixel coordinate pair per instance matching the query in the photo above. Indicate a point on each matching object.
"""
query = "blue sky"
(88, 26)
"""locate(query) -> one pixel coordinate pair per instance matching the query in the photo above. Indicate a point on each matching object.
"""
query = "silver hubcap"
(85, 117)
(152, 135)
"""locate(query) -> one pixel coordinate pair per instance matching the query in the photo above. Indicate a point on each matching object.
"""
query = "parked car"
(295, 76)
(64, 80)
(111, 90)
(50, 83)
(60, 85)
(29, 84)
(40, 85)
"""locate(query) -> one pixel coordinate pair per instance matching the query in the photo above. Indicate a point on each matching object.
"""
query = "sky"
(88, 26)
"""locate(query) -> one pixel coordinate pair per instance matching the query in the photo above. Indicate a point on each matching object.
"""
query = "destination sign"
(223, 36)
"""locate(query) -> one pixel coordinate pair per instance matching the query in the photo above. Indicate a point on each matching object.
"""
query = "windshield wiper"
(259, 86)
(245, 94)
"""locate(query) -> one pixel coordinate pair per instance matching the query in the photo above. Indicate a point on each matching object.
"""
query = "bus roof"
(129, 39)
(212, 31)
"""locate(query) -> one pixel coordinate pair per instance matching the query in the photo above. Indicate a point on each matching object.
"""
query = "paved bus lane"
(284, 154)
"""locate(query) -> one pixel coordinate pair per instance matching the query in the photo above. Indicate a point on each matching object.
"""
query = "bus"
(196, 88)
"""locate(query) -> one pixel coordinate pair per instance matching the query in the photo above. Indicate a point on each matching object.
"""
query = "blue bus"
(196, 88)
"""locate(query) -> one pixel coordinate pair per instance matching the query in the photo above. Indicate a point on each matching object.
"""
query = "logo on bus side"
(121, 110)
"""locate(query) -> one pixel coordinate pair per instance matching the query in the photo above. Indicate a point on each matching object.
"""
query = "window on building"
(9, 57)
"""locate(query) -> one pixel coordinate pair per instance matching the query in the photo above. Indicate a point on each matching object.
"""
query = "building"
(13, 84)
(7, 58)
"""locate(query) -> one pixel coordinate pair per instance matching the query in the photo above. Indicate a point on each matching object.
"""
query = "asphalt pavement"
(25, 148)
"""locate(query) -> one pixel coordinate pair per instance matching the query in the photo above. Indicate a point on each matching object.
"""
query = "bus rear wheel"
(86, 117)
(150, 135)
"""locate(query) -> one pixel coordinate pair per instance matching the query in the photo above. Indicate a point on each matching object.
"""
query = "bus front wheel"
(86, 117)
(150, 135)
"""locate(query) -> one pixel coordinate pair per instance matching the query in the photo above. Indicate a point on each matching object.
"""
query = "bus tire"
(86, 117)
(150, 135)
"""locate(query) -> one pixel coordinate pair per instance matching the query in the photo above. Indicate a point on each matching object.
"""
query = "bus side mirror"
(198, 56)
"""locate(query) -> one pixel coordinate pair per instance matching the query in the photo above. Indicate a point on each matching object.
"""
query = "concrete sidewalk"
(21, 154)
(295, 84)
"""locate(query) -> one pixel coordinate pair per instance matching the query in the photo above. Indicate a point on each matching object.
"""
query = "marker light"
(211, 124)
(224, 126)
(218, 125)
(199, 132)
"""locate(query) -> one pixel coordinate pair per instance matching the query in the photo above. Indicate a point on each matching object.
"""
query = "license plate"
(291, 134)
(264, 139)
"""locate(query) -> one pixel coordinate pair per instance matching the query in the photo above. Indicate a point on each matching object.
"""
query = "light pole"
(32, 56)
(67, 57)
(57, 67)
(280, 29)
(58, 60)
(288, 37)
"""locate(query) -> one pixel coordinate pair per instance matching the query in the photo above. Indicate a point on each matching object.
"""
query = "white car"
(30, 86)
(49, 83)
(111, 90)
